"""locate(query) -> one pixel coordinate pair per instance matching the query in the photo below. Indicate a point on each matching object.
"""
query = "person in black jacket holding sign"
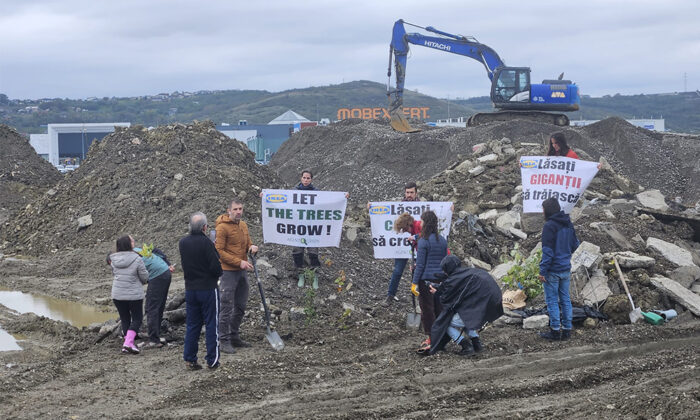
(470, 298)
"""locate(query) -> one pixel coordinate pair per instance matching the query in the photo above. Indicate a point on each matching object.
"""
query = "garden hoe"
(636, 313)
(272, 336)
(413, 319)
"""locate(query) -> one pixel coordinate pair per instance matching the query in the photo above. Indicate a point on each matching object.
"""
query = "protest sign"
(303, 218)
(389, 244)
(551, 176)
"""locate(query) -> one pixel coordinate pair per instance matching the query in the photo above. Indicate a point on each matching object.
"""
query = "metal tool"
(272, 336)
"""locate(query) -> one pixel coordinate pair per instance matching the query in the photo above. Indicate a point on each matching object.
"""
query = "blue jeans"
(455, 329)
(399, 266)
(556, 293)
(202, 308)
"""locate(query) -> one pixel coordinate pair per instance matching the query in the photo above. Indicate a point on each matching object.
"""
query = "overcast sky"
(78, 49)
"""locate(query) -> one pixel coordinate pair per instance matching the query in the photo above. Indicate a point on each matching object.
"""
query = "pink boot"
(129, 345)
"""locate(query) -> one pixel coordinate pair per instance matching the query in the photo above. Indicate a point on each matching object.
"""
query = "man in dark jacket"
(470, 298)
(558, 243)
(200, 263)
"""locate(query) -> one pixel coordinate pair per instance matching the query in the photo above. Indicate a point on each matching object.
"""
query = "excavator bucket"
(400, 123)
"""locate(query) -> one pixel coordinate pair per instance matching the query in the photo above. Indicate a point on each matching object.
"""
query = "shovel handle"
(624, 284)
(260, 289)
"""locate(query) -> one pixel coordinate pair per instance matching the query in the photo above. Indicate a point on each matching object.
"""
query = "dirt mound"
(24, 175)
(142, 182)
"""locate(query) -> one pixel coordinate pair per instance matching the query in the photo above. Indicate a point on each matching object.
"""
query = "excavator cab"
(510, 85)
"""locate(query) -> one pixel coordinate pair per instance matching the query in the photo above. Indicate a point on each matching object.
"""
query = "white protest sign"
(552, 176)
(303, 218)
(382, 215)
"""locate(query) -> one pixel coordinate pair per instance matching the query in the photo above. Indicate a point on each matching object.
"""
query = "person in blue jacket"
(559, 241)
(159, 278)
(432, 248)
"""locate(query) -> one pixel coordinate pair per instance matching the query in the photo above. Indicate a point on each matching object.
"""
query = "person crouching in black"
(470, 298)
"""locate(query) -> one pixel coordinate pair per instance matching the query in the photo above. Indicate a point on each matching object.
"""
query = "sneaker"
(565, 334)
(214, 366)
(553, 335)
(131, 349)
(467, 347)
(192, 366)
(476, 343)
(125, 351)
(387, 302)
(396, 299)
(237, 342)
(227, 348)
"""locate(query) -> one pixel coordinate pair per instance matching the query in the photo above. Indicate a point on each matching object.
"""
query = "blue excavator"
(511, 91)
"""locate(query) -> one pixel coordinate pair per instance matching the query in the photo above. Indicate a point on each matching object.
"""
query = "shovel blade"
(413, 320)
(275, 340)
(636, 315)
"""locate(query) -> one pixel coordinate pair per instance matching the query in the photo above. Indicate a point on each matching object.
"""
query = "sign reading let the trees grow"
(303, 218)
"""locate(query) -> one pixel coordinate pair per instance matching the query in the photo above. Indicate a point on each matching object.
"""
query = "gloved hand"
(414, 289)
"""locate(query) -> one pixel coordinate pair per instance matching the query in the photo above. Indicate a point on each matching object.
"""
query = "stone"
(175, 317)
(477, 171)
(671, 252)
(616, 194)
(488, 158)
(465, 167)
(272, 272)
(590, 323)
(680, 294)
(608, 214)
(652, 199)
(518, 233)
(501, 270)
(489, 214)
(629, 259)
(480, 264)
(587, 256)
(508, 220)
(596, 290)
(686, 275)
(536, 322)
(695, 288)
(351, 234)
(136, 141)
(348, 307)
(51, 192)
(178, 177)
(103, 301)
(297, 314)
(516, 198)
(479, 148)
(84, 221)
(495, 202)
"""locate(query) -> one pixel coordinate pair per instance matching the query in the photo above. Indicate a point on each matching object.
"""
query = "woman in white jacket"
(130, 275)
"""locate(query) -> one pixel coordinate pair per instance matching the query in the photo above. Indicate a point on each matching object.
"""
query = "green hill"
(681, 111)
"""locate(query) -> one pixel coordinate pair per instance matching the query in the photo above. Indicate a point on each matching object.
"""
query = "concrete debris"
(673, 253)
(536, 322)
(682, 295)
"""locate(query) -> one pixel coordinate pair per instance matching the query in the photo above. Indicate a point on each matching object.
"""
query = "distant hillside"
(681, 111)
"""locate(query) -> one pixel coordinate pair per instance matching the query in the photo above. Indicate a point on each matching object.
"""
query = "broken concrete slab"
(671, 252)
(501, 270)
(629, 259)
(508, 220)
(587, 256)
(477, 171)
(488, 158)
(613, 233)
(480, 264)
(652, 199)
(685, 276)
(518, 233)
(596, 290)
(465, 167)
(536, 322)
(683, 296)
(488, 214)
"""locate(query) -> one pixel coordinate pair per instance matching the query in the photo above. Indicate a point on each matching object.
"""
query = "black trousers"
(156, 295)
(234, 299)
(130, 313)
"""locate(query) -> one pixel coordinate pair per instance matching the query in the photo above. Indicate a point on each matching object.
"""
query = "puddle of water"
(8, 342)
(76, 314)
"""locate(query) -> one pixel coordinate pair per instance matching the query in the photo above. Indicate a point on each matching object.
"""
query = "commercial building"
(70, 142)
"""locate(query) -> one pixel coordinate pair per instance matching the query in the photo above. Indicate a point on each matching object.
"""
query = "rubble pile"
(24, 175)
(141, 182)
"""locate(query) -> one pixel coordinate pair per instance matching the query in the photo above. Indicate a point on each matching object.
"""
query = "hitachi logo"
(437, 45)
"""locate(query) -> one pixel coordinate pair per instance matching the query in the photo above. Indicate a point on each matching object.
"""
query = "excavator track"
(502, 116)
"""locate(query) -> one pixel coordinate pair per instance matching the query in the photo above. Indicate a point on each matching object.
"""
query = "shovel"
(636, 313)
(272, 336)
(413, 319)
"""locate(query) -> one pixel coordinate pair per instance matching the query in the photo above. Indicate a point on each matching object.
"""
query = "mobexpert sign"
(377, 113)
(303, 218)
(562, 178)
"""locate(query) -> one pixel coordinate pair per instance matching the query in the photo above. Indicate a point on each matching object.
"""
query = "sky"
(84, 48)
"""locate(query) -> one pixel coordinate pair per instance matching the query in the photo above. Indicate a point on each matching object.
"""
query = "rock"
(348, 307)
(508, 220)
(488, 158)
(590, 323)
(495, 201)
(671, 252)
(686, 275)
(652, 199)
(516, 198)
(175, 302)
(103, 301)
(613, 233)
(695, 288)
(685, 297)
(629, 259)
(465, 167)
(501, 270)
(272, 272)
(175, 317)
(178, 177)
(51, 192)
(608, 214)
(536, 322)
(136, 141)
(480, 264)
(107, 327)
(84, 221)
(351, 234)
(477, 171)
(616, 193)
(297, 314)
(622, 205)
(518, 233)
(587, 255)
(596, 290)
(489, 214)
(479, 148)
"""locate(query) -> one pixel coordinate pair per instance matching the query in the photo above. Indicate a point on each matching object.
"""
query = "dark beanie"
(449, 264)
(551, 207)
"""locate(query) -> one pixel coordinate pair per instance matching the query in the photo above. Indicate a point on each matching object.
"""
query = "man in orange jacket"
(233, 244)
